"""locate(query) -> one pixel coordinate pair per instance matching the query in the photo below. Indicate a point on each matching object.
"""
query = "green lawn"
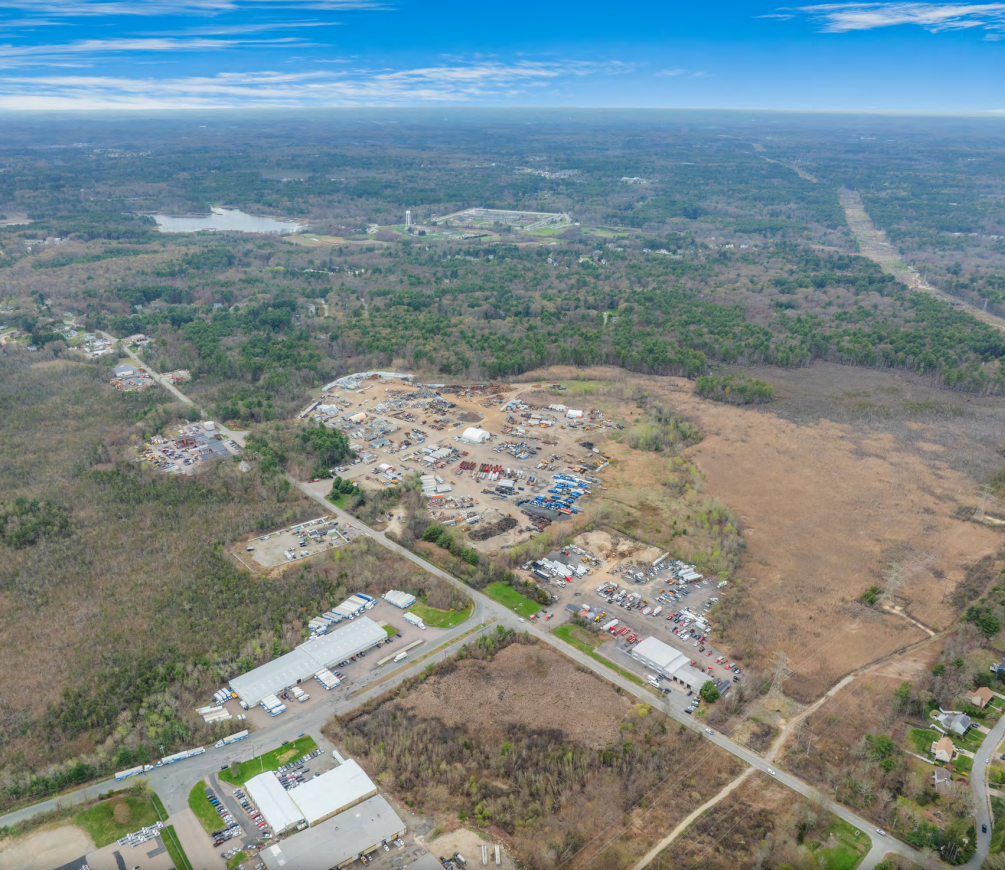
(390, 630)
(174, 849)
(972, 740)
(116, 816)
(922, 739)
(845, 851)
(161, 810)
(208, 817)
(963, 764)
(341, 501)
(441, 618)
(236, 859)
(509, 597)
(565, 633)
(269, 761)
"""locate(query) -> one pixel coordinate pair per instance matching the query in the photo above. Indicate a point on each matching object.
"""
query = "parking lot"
(645, 601)
(288, 545)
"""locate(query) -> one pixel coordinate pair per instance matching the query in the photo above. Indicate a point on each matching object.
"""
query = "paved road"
(173, 783)
(979, 790)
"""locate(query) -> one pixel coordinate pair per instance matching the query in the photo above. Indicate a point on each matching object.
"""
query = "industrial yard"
(299, 541)
(188, 449)
(489, 457)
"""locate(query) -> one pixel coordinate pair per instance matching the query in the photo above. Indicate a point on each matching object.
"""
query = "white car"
(881, 832)
(770, 771)
(709, 731)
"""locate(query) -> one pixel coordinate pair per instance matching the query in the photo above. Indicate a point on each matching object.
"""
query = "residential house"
(943, 749)
(981, 697)
(941, 778)
(953, 722)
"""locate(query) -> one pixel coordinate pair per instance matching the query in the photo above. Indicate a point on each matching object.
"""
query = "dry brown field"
(512, 743)
(849, 477)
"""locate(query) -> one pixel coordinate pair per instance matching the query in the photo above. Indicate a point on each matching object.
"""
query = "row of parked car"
(231, 829)
(254, 815)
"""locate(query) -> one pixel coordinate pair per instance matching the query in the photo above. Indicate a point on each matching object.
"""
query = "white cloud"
(463, 83)
(91, 8)
(933, 17)
(85, 51)
(666, 73)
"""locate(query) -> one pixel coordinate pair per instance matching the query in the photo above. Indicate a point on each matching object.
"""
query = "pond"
(224, 219)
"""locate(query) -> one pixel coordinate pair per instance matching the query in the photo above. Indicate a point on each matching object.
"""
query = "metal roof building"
(333, 792)
(307, 659)
(339, 841)
(274, 802)
(669, 662)
(473, 435)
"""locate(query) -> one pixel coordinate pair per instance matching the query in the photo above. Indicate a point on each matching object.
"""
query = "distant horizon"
(873, 56)
(257, 109)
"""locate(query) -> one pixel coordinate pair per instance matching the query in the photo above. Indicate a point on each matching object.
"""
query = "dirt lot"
(558, 449)
(848, 475)
(269, 551)
(45, 849)
(524, 684)
(469, 844)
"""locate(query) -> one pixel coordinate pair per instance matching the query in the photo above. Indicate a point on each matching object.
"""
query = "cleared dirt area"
(469, 844)
(45, 850)
(526, 684)
(850, 478)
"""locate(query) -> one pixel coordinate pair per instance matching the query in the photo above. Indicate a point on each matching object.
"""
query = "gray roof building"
(338, 841)
(307, 659)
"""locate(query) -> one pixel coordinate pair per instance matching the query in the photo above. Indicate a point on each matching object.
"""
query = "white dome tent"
(473, 435)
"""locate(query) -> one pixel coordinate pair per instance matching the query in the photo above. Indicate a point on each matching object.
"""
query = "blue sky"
(150, 54)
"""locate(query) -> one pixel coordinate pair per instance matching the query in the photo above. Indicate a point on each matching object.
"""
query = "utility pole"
(782, 673)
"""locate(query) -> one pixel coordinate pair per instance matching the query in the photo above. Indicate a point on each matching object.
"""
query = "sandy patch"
(45, 849)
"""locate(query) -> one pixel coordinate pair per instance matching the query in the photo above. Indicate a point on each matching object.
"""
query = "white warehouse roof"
(307, 659)
(332, 792)
(274, 802)
(474, 435)
(657, 654)
(337, 841)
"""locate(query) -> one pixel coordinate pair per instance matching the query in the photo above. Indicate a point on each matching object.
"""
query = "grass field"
(121, 814)
(203, 809)
(159, 807)
(390, 630)
(922, 739)
(840, 848)
(440, 618)
(233, 861)
(341, 501)
(569, 633)
(509, 597)
(269, 761)
(174, 849)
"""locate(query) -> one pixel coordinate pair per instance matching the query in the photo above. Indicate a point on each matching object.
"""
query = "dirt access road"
(872, 243)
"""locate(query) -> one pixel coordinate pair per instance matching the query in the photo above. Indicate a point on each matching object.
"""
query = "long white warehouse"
(307, 659)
